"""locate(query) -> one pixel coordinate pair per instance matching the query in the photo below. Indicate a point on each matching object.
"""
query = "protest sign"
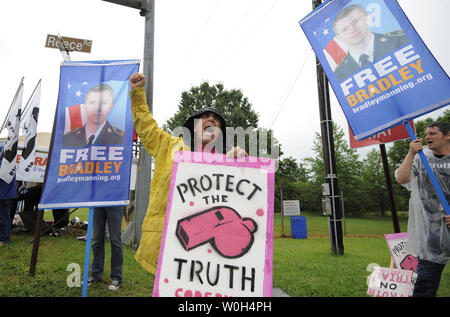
(90, 165)
(403, 259)
(386, 282)
(397, 246)
(37, 170)
(218, 232)
(379, 68)
(396, 133)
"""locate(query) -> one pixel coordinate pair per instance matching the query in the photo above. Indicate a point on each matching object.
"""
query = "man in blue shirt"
(8, 193)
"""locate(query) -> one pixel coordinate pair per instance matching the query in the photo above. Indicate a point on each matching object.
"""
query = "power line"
(244, 16)
(260, 21)
(254, 28)
(197, 37)
(242, 19)
(289, 90)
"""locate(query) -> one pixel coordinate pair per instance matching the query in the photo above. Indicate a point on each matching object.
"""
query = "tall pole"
(36, 240)
(387, 176)
(326, 123)
(144, 177)
(145, 161)
(282, 213)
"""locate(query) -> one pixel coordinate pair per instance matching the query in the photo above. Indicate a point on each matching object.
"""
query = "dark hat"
(189, 124)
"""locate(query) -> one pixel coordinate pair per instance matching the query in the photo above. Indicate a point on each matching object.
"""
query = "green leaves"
(236, 109)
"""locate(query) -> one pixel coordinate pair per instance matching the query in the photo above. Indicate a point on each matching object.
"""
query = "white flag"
(8, 167)
(28, 125)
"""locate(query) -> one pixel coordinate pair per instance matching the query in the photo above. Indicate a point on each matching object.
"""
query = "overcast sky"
(253, 45)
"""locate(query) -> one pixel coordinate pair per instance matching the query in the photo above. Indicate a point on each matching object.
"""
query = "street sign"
(69, 43)
(291, 207)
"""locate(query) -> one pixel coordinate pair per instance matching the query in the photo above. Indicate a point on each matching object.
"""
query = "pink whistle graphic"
(410, 263)
(229, 234)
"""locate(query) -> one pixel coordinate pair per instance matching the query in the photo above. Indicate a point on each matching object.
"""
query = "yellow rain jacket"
(161, 146)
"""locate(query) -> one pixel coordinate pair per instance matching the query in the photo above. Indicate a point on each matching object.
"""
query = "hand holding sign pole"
(433, 178)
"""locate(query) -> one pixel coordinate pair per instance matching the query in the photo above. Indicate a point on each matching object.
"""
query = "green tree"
(237, 112)
(348, 170)
(236, 109)
(374, 183)
(288, 178)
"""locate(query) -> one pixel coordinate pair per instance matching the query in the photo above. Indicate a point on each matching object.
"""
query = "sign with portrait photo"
(379, 68)
(218, 234)
(91, 149)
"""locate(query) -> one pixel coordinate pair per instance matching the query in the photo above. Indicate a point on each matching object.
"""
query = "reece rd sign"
(71, 44)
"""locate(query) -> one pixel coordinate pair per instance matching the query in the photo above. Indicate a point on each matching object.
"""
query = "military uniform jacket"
(108, 135)
(383, 45)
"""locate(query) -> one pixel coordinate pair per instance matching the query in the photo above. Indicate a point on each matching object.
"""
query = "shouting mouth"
(209, 132)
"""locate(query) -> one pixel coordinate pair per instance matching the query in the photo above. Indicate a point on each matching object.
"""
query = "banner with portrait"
(379, 68)
(218, 234)
(91, 149)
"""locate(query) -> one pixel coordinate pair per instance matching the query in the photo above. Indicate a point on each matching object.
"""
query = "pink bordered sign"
(397, 246)
(218, 234)
(387, 282)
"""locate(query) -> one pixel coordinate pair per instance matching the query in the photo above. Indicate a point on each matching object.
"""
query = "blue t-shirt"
(7, 191)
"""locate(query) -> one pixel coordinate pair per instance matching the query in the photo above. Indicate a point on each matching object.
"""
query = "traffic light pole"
(144, 177)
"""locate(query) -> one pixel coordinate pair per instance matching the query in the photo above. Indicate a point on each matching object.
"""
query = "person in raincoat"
(207, 132)
(428, 225)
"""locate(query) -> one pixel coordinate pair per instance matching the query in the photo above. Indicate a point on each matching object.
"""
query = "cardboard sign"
(399, 253)
(397, 246)
(386, 282)
(218, 234)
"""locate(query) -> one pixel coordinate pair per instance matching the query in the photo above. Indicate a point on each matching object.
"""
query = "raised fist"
(137, 80)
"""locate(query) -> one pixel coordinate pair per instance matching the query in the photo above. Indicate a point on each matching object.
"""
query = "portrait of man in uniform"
(98, 103)
(362, 46)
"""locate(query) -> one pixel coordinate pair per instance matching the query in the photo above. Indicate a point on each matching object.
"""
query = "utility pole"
(331, 182)
(387, 176)
(147, 10)
(145, 161)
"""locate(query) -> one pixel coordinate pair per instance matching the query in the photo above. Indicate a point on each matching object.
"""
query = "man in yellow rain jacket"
(205, 127)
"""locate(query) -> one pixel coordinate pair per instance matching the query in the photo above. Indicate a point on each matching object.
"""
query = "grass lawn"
(302, 267)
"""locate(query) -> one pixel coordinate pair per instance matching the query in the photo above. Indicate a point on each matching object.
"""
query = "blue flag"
(379, 68)
(91, 152)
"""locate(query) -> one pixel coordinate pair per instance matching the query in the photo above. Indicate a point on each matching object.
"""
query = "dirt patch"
(74, 231)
